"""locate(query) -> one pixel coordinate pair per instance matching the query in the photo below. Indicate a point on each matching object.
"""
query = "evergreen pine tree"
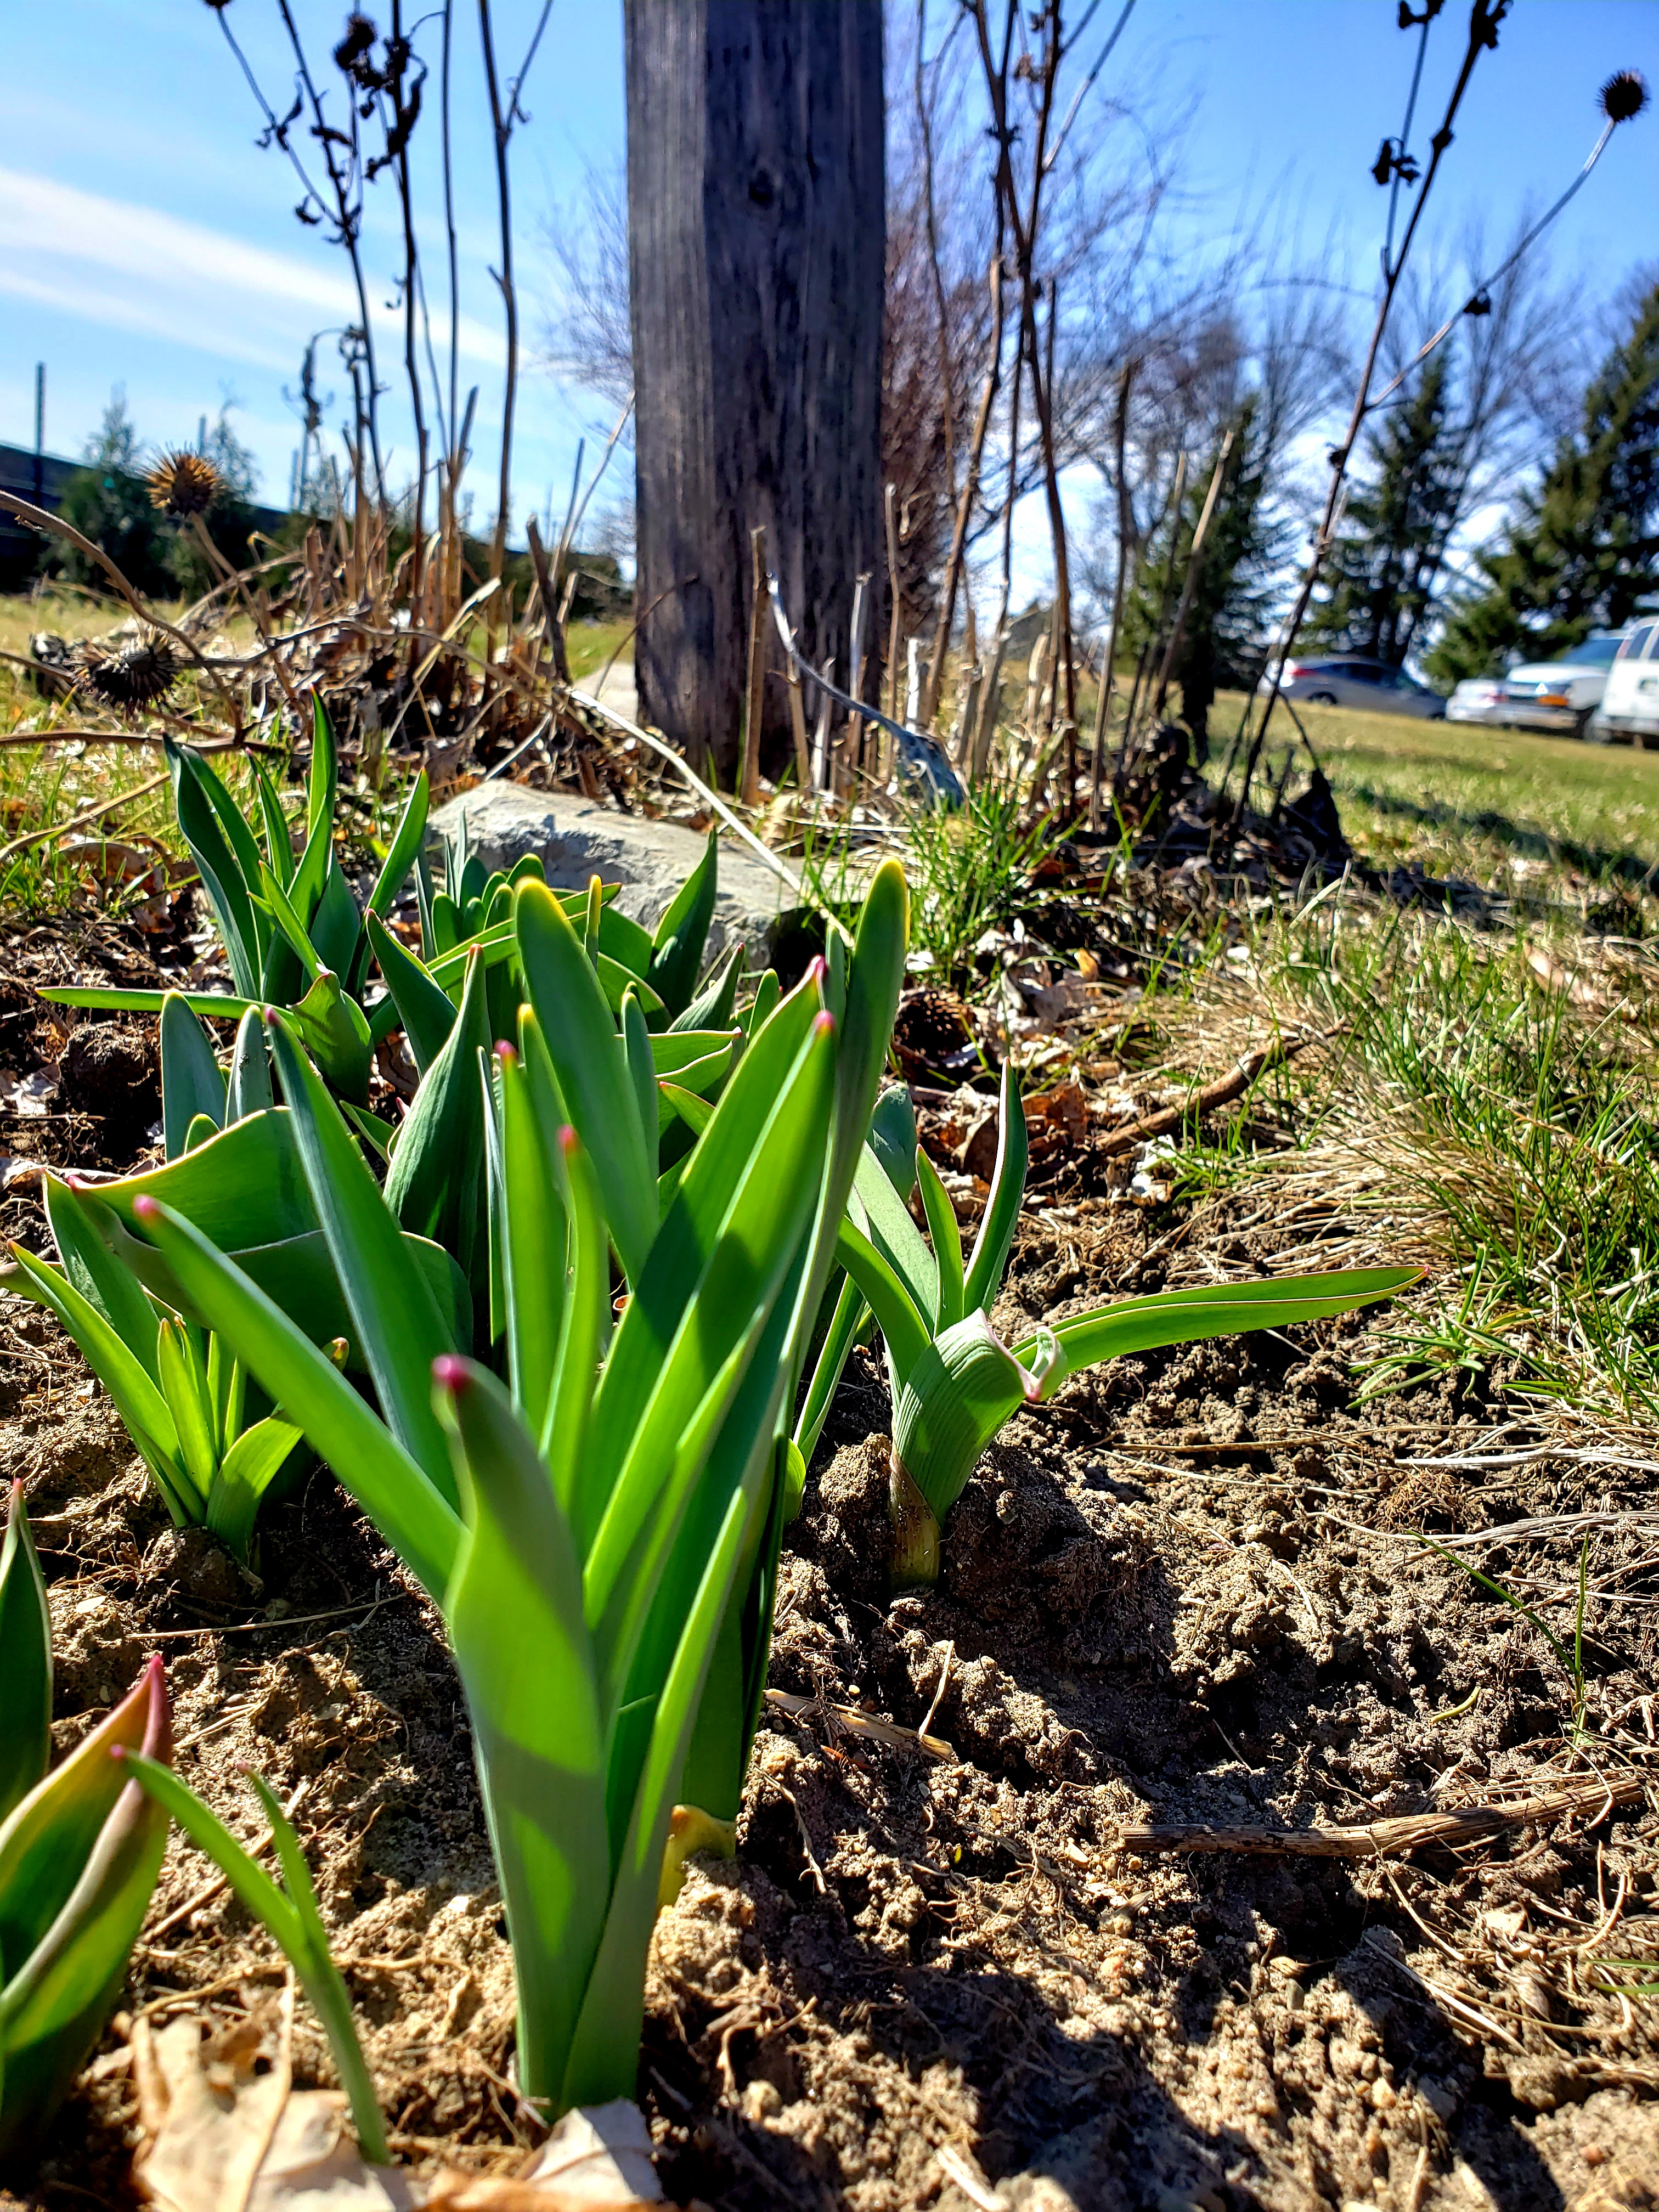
(1228, 616)
(1584, 550)
(1381, 569)
(108, 502)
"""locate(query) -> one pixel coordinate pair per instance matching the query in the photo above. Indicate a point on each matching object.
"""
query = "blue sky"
(144, 241)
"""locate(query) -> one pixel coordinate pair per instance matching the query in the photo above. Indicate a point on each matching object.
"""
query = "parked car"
(1352, 682)
(1562, 694)
(1630, 700)
(1477, 699)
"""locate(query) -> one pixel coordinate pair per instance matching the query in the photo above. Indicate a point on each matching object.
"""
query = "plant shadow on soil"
(954, 1895)
(906, 1954)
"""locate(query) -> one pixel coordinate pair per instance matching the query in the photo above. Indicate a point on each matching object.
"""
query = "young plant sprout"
(291, 929)
(212, 1445)
(289, 1913)
(955, 1384)
(601, 1526)
(80, 1849)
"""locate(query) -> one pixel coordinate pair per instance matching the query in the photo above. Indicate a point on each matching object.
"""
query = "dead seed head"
(359, 38)
(131, 674)
(184, 484)
(1624, 95)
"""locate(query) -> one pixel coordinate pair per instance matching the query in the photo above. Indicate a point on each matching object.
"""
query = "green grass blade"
(684, 1242)
(901, 1321)
(678, 946)
(575, 1022)
(400, 853)
(435, 1186)
(287, 918)
(289, 1914)
(102, 1279)
(723, 1316)
(849, 1318)
(896, 1236)
(641, 1069)
(322, 787)
(415, 1516)
(425, 1010)
(768, 992)
(604, 2055)
(586, 1320)
(892, 1138)
(323, 1984)
(220, 1005)
(136, 1398)
(996, 1231)
(183, 1385)
(712, 1008)
(395, 1319)
(225, 881)
(192, 1082)
(24, 1659)
(1216, 1310)
(514, 1612)
(246, 1471)
(336, 927)
(249, 1091)
(279, 843)
(535, 1234)
(947, 1240)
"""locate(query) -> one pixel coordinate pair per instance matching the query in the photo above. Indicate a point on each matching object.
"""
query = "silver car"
(1476, 699)
(1351, 681)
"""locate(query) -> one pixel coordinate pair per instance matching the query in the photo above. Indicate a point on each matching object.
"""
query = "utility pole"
(39, 428)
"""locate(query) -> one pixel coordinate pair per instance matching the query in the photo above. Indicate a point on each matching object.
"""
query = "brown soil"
(945, 1982)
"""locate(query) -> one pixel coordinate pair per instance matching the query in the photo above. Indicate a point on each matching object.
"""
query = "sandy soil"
(1189, 1590)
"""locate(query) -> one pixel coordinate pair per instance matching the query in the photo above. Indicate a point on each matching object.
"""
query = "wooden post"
(749, 774)
(756, 244)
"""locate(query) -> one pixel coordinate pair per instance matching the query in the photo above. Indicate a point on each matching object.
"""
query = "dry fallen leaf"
(219, 2136)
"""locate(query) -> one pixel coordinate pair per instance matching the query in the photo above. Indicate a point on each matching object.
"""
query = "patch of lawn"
(1469, 799)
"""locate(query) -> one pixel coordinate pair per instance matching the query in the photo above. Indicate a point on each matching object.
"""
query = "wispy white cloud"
(136, 268)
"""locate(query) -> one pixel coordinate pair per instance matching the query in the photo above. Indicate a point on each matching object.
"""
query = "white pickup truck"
(1564, 694)
(1629, 699)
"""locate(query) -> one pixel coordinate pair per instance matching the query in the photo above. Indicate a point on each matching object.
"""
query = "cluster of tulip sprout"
(550, 1330)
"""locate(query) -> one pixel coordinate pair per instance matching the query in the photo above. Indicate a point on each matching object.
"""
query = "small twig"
(733, 821)
(210, 1890)
(864, 1725)
(1381, 1838)
(80, 821)
(275, 1627)
(926, 1727)
(1220, 1093)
